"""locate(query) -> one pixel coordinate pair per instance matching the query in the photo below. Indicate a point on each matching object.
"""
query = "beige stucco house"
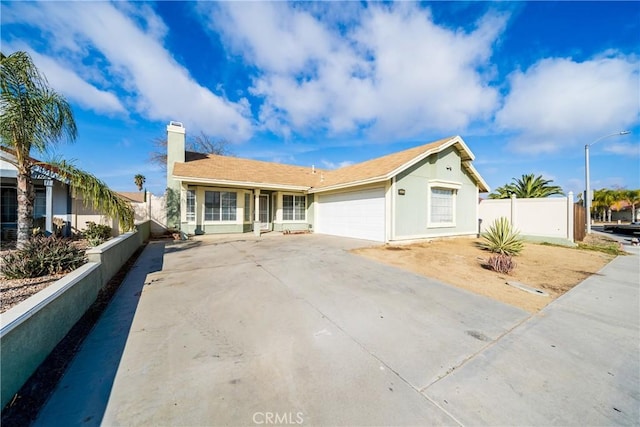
(427, 191)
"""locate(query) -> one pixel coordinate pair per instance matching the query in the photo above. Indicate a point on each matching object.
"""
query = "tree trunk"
(26, 196)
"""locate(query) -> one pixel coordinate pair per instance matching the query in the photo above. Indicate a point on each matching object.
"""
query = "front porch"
(209, 209)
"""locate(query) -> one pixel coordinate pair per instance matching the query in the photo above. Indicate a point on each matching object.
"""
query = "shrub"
(501, 263)
(501, 238)
(42, 256)
(97, 233)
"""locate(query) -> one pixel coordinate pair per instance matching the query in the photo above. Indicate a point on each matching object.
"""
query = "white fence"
(153, 209)
(539, 218)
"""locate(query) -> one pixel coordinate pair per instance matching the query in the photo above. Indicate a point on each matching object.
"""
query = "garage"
(356, 214)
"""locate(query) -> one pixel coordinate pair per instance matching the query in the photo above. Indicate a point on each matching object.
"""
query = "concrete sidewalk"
(577, 362)
(216, 332)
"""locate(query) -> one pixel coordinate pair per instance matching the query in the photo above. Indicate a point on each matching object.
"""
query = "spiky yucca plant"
(502, 238)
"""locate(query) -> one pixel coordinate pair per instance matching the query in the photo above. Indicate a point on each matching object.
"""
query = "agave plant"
(502, 238)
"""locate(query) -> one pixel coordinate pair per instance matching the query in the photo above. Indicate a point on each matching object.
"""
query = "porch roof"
(235, 171)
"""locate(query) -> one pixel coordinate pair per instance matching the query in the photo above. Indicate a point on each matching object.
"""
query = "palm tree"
(527, 187)
(503, 192)
(139, 180)
(633, 197)
(603, 199)
(33, 115)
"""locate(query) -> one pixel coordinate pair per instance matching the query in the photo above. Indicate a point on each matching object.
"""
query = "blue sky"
(526, 84)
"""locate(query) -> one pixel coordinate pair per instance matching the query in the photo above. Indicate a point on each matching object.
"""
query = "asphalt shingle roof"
(239, 170)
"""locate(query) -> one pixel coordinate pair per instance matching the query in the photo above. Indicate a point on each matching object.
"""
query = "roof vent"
(174, 123)
(313, 169)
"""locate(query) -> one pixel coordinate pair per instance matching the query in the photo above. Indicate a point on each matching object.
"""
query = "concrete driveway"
(239, 332)
(296, 330)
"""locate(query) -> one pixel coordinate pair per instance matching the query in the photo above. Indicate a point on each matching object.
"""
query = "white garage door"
(357, 214)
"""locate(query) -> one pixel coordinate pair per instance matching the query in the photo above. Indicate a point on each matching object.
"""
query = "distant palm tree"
(139, 180)
(633, 197)
(33, 115)
(603, 199)
(527, 187)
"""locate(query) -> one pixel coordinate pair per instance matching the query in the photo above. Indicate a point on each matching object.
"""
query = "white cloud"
(74, 87)
(559, 102)
(393, 72)
(623, 148)
(158, 87)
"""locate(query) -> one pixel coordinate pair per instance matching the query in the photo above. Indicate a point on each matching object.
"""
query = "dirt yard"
(459, 262)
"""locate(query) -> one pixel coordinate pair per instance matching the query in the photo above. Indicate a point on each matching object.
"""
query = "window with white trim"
(247, 207)
(442, 205)
(219, 206)
(191, 205)
(294, 208)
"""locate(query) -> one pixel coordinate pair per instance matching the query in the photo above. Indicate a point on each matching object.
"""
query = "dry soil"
(460, 262)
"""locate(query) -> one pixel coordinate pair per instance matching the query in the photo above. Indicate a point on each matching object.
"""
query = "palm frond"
(95, 193)
(526, 187)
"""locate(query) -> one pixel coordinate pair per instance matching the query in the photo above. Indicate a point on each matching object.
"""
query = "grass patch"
(607, 248)
(611, 248)
(555, 245)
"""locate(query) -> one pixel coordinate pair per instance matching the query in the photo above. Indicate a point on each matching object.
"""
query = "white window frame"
(190, 211)
(304, 212)
(218, 221)
(436, 184)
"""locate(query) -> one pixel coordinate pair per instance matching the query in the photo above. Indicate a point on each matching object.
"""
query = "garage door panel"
(357, 214)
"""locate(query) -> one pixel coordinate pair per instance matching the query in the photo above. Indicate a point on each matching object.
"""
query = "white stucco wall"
(547, 217)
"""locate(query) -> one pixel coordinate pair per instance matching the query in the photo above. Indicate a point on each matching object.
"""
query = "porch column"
(48, 183)
(256, 213)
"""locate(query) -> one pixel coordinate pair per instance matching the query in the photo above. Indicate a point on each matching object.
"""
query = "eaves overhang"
(349, 184)
(241, 184)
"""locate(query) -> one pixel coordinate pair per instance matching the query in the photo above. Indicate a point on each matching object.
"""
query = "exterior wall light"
(401, 191)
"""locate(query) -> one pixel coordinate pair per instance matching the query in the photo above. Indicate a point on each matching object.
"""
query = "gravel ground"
(14, 291)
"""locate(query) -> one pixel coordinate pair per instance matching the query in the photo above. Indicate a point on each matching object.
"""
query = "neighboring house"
(622, 211)
(82, 212)
(145, 207)
(53, 198)
(427, 191)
